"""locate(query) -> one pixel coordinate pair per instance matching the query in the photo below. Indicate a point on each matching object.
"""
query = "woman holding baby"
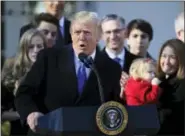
(163, 84)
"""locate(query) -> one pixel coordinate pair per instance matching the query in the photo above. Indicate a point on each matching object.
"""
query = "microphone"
(89, 63)
(86, 60)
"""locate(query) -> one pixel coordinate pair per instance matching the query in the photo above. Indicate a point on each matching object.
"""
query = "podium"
(81, 121)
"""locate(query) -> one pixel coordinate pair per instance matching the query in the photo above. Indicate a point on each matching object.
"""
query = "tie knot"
(117, 59)
(81, 64)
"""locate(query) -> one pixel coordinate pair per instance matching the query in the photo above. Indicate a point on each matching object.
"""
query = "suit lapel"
(59, 39)
(65, 39)
(127, 60)
(105, 53)
(67, 70)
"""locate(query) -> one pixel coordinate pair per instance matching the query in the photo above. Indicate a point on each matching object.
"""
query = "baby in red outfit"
(142, 86)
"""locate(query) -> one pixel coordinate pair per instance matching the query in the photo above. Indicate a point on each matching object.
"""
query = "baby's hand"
(155, 81)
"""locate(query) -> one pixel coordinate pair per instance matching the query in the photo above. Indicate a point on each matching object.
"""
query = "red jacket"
(140, 92)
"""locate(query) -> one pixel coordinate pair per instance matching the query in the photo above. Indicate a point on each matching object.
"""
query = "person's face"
(149, 73)
(50, 32)
(84, 37)
(180, 35)
(54, 7)
(113, 34)
(168, 61)
(138, 42)
(35, 46)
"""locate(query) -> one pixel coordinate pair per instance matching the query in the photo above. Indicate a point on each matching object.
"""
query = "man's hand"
(32, 120)
(123, 80)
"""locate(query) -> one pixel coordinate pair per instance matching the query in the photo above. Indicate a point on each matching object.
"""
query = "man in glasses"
(113, 33)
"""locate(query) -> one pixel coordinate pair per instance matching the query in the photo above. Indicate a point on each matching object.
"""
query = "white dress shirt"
(61, 23)
(112, 55)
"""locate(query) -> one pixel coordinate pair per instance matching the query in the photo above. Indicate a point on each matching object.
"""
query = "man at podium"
(59, 79)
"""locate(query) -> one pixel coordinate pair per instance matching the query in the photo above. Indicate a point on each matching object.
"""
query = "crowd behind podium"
(46, 74)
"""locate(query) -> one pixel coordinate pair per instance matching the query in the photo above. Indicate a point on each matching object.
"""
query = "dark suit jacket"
(60, 41)
(66, 38)
(171, 106)
(52, 83)
(67, 35)
(128, 59)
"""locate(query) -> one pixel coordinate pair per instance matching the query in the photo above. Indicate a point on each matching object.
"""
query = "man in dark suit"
(113, 33)
(59, 79)
(48, 25)
(56, 8)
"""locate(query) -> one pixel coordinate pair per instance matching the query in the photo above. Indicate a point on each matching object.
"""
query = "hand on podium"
(32, 120)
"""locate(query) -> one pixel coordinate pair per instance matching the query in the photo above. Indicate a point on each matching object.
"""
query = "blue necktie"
(117, 60)
(81, 77)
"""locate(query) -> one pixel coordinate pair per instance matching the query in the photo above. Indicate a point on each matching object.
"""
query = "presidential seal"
(112, 118)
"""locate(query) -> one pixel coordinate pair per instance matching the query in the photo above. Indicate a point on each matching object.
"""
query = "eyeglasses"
(115, 31)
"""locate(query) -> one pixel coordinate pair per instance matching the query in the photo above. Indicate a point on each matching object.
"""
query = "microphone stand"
(99, 83)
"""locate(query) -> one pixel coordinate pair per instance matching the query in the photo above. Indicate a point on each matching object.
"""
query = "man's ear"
(99, 36)
(127, 41)
(70, 29)
(178, 34)
(125, 33)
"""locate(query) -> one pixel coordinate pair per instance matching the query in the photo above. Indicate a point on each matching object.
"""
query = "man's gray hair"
(85, 16)
(113, 17)
(179, 22)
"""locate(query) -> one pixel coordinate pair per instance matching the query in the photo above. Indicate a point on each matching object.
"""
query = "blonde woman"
(142, 87)
(14, 71)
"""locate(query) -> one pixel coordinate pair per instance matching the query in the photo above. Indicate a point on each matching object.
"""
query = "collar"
(92, 55)
(112, 54)
(61, 21)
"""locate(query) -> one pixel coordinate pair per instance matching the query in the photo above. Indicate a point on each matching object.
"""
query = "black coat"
(52, 83)
(171, 106)
(64, 40)
(7, 101)
(67, 35)
(7, 105)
